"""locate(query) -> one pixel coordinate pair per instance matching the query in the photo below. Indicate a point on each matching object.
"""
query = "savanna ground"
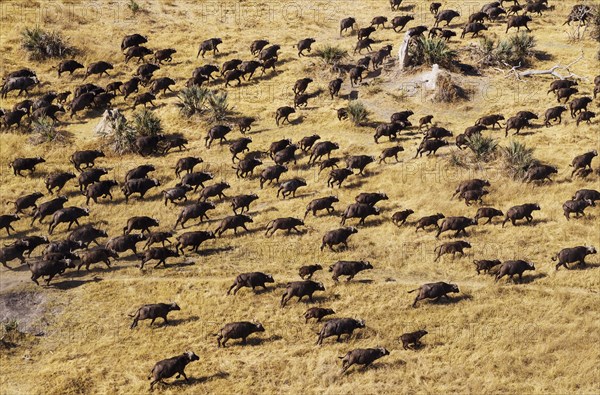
(541, 336)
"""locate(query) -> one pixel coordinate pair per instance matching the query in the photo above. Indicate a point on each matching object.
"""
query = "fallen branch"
(551, 71)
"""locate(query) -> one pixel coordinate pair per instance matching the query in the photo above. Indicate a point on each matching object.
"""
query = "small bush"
(517, 49)
(219, 106)
(43, 130)
(517, 159)
(357, 112)
(193, 100)
(595, 22)
(457, 159)
(134, 7)
(484, 148)
(10, 326)
(146, 123)
(115, 130)
(447, 91)
(41, 44)
(331, 54)
(428, 52)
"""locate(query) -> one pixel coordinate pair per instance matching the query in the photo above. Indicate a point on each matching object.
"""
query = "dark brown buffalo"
(158, 253)
(572, 255)
(510, 268)
(485, 265)
(49, 268)
(324, 203)
(338, 327)
(250, 280)
(577, 207)
(338, 236)
(459, 224)
(193, 211)
(451, 247)
(399, 217)
(95, 255)
(282, 114)
(238, 330)
(290, 187)
(519, 212)
(434, 291)
(138, 185)
(318, 313)
(152, 312)
(242, 202)
(391, 152)
(348, 268)
(13, 251)
(6, 220)
(401, 22)
(413, 338)
(233, 222)
(359, 210)
(582, 161)
(168, 367)
(430, 220)
(587, 194)
(287, 223)
(125, 242)
(487, 212)
(306, 272)
(196, 179)
(87, 234)
(68, 215)
(362, 356)
(20, 164)
(518, 21)
(301, 289)
(193, 240)
(141, 223)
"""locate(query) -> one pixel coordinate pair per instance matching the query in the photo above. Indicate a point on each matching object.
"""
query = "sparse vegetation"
(146, 123)
(515, 50)
(595, 23)
(192, 100)
(44, 130)
(134, 7)
(517, 158)
(219, 106)
(331, 54)
(41, 44)
(447, 91)
(116, 132)
(484, 148)
(357, 112)
(425, 51)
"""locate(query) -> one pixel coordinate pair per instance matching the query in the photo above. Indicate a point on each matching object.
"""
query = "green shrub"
(146, 123)
(118, 135)
(193, 100)
(331, 54)
(41, 44)
(357, 112)
(43, 130)
(484, 148)
(517, 158)
(218, 106)
(517, 49)
(425, 51)
(134, 7)
(595, 22)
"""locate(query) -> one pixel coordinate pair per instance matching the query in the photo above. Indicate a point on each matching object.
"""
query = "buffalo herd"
(77, 251)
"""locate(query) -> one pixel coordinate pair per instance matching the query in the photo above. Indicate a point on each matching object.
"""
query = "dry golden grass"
(537, 337)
